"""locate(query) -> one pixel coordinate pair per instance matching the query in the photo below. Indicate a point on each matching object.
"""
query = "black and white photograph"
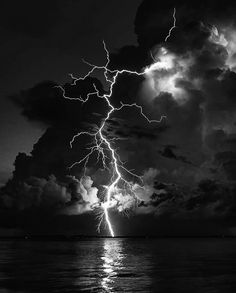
(118, 146)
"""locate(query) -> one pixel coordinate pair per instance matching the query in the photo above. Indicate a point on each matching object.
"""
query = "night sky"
(187, 161)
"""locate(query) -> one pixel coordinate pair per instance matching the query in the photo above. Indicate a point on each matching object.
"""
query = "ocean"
(164, 265)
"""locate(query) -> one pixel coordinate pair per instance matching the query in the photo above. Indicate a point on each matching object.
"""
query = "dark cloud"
(169, 153)
(45, 103)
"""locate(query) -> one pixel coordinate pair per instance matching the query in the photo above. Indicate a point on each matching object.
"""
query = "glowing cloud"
(164, 75)
(225, 37)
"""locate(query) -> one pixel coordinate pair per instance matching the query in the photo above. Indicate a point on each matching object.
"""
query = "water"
(119, 265)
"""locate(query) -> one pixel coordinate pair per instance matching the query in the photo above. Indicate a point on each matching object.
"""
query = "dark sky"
(187, 161)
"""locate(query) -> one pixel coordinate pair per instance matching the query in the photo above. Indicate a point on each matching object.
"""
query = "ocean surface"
(119, 265)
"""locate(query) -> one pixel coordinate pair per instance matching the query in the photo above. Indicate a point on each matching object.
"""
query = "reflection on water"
(118, 265)
(112, 263)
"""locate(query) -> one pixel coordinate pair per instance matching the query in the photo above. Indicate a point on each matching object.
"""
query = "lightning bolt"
(173, 26)
(101, 142)
(169, 33)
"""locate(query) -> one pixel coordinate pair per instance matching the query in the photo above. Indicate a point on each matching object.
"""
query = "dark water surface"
(119, 265)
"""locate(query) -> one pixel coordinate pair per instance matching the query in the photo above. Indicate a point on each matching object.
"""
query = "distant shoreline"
(90, 237)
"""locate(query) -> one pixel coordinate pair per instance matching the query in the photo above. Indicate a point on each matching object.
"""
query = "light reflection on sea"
(112, 263)
(118, 265)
